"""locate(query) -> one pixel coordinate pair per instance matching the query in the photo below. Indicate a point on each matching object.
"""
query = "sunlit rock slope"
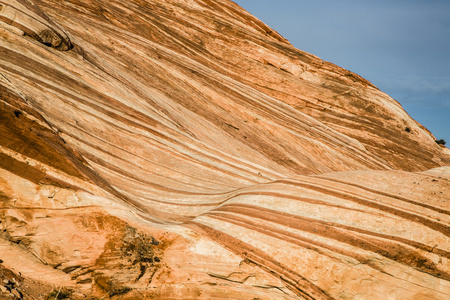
(182, 149)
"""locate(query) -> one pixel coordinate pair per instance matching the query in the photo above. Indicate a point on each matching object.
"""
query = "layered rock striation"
(182, 149)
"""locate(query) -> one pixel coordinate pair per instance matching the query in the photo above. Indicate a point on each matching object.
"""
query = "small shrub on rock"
(441, 142)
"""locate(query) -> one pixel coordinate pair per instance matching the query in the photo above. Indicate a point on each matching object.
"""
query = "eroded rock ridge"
(182, 149)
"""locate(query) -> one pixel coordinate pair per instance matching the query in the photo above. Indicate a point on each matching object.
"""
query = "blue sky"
(401, 46)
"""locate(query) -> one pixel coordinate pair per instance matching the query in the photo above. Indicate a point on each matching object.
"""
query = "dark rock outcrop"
(26, 18)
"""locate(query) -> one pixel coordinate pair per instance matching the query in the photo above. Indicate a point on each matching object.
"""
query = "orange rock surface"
(182, 149)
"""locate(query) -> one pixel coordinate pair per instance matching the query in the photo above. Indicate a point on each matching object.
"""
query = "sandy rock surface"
(182, 149)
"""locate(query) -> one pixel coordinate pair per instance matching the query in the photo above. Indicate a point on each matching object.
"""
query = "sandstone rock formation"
(181, 149)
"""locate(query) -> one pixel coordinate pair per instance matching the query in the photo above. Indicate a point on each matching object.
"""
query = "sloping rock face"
(184, 150)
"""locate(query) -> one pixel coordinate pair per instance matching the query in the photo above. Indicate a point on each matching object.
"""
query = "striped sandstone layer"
(183, 149)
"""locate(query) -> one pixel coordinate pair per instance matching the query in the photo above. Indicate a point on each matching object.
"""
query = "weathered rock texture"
(181, 149)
